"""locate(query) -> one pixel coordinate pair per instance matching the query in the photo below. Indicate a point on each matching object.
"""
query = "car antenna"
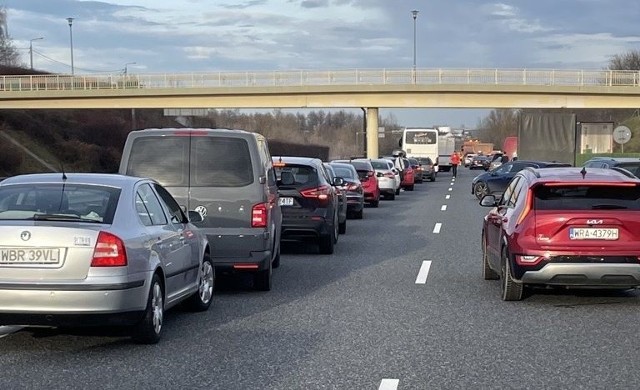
(583, 172)
(64, 181)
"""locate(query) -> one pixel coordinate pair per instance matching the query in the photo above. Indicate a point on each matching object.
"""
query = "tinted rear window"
(90, 203)
(165, 159)
(297, 176)
(380, 165)
(361, 165)
(344, 172)
(586, 198)
(633, 167)
(221, 162)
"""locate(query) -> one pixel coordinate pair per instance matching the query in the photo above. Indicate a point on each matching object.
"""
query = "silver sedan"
(98, 249)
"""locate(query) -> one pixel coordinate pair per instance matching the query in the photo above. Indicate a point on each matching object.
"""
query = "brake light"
(528, 260)
(527, 207)
(109, 251)
(352, 187)
(321, 193)
(259, 215)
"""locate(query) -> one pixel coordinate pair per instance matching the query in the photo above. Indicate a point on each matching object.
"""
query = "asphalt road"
(368, 317)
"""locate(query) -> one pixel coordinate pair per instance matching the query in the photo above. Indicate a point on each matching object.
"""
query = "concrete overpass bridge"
(365, 88)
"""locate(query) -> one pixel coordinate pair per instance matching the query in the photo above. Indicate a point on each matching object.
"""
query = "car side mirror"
(338, 182)
(488, 201)
(394, 170)
(195, 216)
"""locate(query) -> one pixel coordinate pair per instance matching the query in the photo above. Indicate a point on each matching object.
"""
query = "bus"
(420, 142)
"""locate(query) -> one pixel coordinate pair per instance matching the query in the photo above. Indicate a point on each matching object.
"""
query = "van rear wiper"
(608, 207)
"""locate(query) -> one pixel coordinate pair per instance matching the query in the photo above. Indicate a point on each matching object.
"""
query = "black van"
(227, 176)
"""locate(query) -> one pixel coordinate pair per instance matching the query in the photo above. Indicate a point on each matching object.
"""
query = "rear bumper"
(58, 305)
(585, 275)
(304, 229)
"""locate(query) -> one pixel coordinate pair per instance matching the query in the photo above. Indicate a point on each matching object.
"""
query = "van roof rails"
(533, 170)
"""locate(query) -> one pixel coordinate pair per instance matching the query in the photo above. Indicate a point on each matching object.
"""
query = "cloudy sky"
(228, 35)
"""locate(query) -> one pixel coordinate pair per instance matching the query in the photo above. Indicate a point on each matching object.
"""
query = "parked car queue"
(186, 206)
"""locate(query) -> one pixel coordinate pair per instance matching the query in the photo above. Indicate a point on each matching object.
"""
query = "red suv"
(367, 176)
(563, 227)
(409, 178)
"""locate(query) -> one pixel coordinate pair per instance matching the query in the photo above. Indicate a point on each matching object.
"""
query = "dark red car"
(563, 227)
(409, 178)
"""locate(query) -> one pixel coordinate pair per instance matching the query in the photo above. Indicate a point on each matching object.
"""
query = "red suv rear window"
(586, 197)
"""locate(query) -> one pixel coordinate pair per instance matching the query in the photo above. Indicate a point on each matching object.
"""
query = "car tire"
(149, 329)
(262, 279)
(201, 300)
(342, 227)
(375, 203)
(487, 272)
(358, 214)
(326, 244)
(432, 178)
(391, 196)
(480, 189)
(511, 290)
(398, 191)
(410, 188)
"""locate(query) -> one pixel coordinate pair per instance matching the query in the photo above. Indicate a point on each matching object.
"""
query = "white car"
(468, 158)
(388, 177)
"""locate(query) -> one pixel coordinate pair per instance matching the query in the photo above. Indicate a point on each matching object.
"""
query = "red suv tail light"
(527, 208)
(259, 215)
(109, 251)
(528, 260)
(321, 193)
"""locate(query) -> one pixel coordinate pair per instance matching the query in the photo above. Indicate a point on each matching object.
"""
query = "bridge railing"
(289, 78)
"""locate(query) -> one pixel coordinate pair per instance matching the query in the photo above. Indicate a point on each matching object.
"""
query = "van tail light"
(109, 251)
(321, 193)
(352, 187)
(527, 208)
(259, 215)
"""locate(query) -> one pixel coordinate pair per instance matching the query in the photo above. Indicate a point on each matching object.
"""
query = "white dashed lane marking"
(437, 227)
(450, 189)
(448, 197)
(424, 272)
(389, 384)
(444, 207)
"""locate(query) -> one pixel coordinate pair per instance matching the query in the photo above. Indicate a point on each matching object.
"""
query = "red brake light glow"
(321, 193)
(259, 215)
(527, 207)
(109, 251)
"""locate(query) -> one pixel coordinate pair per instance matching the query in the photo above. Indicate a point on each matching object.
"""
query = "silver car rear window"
(69, 202)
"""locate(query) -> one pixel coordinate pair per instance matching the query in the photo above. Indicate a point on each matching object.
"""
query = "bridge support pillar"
(372, 133)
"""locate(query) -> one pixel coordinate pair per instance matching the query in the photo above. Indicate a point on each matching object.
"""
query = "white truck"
(446, 147)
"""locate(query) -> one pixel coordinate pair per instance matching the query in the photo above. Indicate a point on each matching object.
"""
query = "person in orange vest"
(455, 161)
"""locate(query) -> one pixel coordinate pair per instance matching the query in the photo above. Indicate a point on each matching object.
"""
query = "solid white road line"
(448, 197)
(7, 330)
(389, 384)
(444, 207)
(437, 227)
(424, 272)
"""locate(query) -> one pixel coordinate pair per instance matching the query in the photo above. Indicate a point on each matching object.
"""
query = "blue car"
(497, 180)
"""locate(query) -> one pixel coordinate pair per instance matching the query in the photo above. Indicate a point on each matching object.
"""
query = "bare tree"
(9, 55)
(498, 125)
(625, 61)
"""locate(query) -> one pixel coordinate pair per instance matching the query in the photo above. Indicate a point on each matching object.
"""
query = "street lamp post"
(414, 13)
(126, 67)
(70, 20)
(31, 50)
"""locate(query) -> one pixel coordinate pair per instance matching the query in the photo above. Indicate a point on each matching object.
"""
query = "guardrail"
(354, 77)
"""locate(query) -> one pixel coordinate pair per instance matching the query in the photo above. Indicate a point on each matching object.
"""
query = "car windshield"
(344, 172)
(296, 176)
(380, 165)
(633, 167)
(69, 202)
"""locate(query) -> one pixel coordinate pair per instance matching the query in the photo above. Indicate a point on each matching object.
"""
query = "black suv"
(631, 164)
(496, 181)
(308, 201)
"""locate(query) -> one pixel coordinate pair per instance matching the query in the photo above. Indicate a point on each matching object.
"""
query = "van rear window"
(596, 197)
(221, 162)
(165, 159)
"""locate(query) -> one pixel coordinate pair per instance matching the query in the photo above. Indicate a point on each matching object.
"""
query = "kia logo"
(25, 235)
(594, 222)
